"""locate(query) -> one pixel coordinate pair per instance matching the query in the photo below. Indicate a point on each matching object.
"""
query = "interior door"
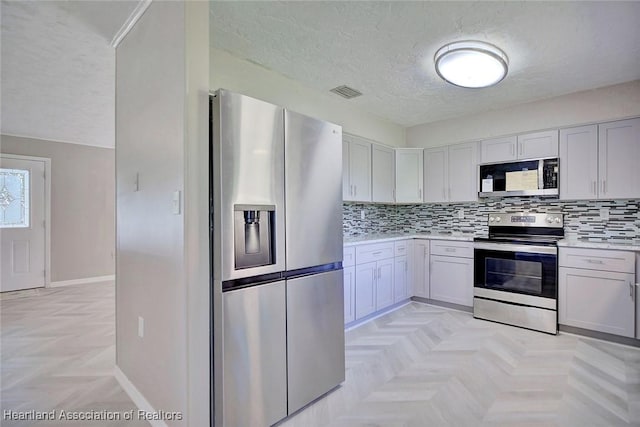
(22, 227)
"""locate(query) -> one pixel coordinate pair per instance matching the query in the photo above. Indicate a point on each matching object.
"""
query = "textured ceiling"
(58, 69)
(385, 49)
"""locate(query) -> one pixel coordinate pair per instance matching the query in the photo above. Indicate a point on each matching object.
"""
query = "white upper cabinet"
(383, 174)
(409, 175)
(451, 173)
(463, 172)
(498, 149)
(436, 174)
(600, 162)
(527, 146)
(356, 170)
(619, 159)
(579, 162)
(538, 145)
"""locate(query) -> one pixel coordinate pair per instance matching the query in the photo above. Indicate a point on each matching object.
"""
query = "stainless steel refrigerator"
(276, 244)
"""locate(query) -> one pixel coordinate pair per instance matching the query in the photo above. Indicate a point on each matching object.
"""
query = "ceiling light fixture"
(471, 64)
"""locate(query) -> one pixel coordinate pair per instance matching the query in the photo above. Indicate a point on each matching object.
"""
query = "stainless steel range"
(516, 271)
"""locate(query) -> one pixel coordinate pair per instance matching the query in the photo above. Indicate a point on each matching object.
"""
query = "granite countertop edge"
(392, 237)
(585, 244)
(467, 237)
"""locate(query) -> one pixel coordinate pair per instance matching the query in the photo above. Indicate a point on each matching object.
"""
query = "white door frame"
(47, 209)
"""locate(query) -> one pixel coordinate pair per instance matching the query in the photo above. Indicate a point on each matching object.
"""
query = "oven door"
(517, 268)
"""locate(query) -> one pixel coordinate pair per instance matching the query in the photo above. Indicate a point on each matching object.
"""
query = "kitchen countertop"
(632, 245)
(391, 237)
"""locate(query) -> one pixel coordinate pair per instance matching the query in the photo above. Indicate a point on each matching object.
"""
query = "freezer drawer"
(254, 355)
(315, 325)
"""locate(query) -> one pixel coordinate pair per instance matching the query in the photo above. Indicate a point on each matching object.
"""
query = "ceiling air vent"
(346, 92)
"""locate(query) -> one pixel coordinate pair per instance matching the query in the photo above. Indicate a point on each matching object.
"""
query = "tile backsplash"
(581, 217)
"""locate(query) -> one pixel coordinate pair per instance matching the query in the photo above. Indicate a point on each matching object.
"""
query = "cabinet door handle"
(595, 188)
(420, 194)
(376, 253)
(604, 186)
(379, 272)
(449, 249)
(351, 190)
(594, 261)
(355, 190)
(631, 290)
(512, 147)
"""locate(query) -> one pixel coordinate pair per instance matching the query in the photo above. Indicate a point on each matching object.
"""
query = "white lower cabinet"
(420, 270)
(378, 275)
(596, 290)
(451, 280)
(384, 283)
(451, 272)
(365, 289)
(401, 279)
(349, 294)
(597, 300)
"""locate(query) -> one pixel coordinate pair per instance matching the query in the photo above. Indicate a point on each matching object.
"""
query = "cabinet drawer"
(452, 248)
(374, 252)
(349, 256)
(597, 259)
(401, 248)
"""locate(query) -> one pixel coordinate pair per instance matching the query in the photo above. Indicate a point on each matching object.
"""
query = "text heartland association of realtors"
(55, 414)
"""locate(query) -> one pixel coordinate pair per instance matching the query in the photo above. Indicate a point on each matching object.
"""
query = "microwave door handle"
(540, 174)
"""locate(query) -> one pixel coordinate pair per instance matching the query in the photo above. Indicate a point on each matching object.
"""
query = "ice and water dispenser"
(254, 237)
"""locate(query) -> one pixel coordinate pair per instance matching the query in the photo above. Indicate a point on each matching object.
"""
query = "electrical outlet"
(604, 214)
(141, 326)
(362, 214)
(461, 213)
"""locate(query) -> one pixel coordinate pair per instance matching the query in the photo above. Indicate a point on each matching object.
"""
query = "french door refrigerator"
(276, 242)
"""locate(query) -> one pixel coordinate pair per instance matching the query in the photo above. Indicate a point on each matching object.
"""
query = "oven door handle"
(508, 247)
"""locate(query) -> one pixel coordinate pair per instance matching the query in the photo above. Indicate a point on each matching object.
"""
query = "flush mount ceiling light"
(471, 64)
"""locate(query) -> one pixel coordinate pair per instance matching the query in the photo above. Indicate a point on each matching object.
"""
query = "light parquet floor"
(418, 366)
(57, 351)
(428, 366)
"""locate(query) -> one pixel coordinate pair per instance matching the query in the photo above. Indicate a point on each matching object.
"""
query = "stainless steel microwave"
(535, 177)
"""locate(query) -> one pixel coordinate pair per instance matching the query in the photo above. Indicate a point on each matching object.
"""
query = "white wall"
(238, 75)
(82, 205)
(162, 257)
(596, 105)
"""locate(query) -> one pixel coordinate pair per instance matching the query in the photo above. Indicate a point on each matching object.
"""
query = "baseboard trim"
(138, 398)
(95, 279)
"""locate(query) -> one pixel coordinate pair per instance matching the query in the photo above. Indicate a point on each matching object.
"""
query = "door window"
(14, 198)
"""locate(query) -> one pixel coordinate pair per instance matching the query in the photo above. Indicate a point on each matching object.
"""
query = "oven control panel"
(527, 219)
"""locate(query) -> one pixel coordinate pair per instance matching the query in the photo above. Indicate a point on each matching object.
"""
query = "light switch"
(141, 326)
(176, 202)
